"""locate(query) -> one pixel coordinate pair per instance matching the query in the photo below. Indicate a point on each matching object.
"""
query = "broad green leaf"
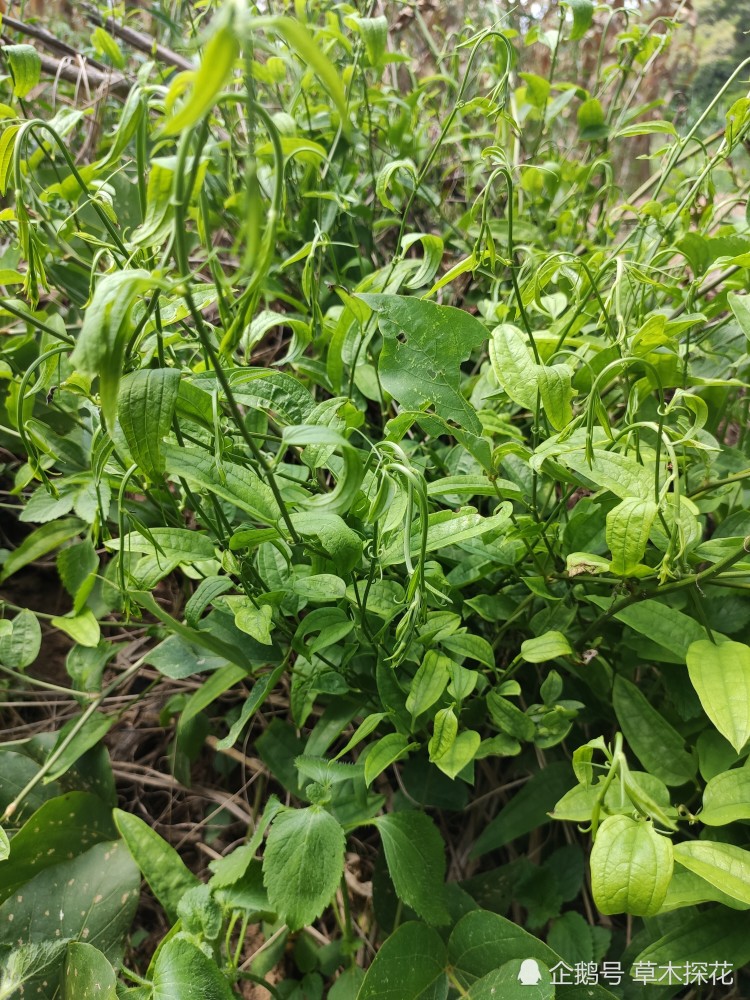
(525, 381)
(631, 866)
(82, 628)
(341, 542)
(254, 621)
(545, 647)
(60, 829)
(92, 897)
(182, 969)
(326, 772)
(723, 865)
(168, 543)
(459, 754)
(219, 55)
(689, 889)
(572, 936)
(482, 942)
(303, 863)
(238, 484)
(666, 626)
(87, 974)
(700, 937)
(658, 746)
(21, 641)
(628, 527)
(424, 346)
(720, 675)
(39, 544)
(145, 408)
(159, 862)
(415, 854)
(429, 682)
(726, 798)
(519, 979)
(100, 349)
(25, 67)
(26, 962)
(394, 973)
(621, 474)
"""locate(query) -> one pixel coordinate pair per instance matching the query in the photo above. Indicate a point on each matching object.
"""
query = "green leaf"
(60, 829)
(631, 866)
(583, 16)
(25, 66)
(628, 527)
(92, 897)
(415, 854)
(482, 942)
(182, 970)
(726, 798)
(740, 306)
(658, 746)
(219, 55)
(254, 621)
(723, 865)
(21, 641)
(444, 731)
(424, 346)
(87, 975)
(520, 979)
(160, 864)
(459, 754)
(106, 329)
(145, 408)
(720, 675)
(667, 627)
(613, 471)
(429, 682)
(385, 752)
(82, 628)
(258, 694)
(592, 124)
(700, 937)
(238, 484)
(396, 975)
(4, 846)
(545, 647)
(525, 381)
(7, 146)
(39, 544)
(447, 527)
(303, 863)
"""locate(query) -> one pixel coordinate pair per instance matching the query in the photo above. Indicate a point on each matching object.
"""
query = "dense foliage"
(401, 455)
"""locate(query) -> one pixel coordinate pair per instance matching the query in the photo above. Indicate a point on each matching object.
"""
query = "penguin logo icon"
(530, 974)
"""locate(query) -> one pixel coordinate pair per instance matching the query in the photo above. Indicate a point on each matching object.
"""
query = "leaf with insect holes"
(424, 346)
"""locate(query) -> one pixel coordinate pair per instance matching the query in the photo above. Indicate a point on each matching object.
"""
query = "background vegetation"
(376, 518)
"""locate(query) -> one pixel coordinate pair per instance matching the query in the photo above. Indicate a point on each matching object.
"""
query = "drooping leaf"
(415, 853)
(723, 865)
(658, 746)
(720, 675)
